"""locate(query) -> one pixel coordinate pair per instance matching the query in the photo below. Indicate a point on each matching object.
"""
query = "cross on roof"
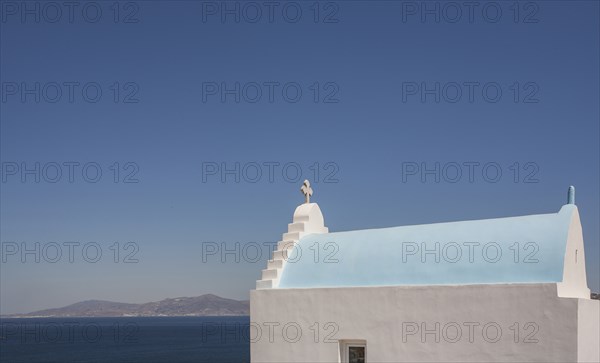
(306, 190)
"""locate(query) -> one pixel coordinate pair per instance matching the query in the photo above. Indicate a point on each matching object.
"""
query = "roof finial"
(306, 190)
(571, 195)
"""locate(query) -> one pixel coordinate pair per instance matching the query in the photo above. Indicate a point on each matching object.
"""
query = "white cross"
(306, 190)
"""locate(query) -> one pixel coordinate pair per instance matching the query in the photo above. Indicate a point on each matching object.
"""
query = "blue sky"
(378, 85)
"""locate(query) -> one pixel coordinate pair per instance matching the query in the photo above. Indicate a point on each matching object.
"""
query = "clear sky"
(360, 91)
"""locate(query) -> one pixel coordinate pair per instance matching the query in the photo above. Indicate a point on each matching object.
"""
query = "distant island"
(205, 305)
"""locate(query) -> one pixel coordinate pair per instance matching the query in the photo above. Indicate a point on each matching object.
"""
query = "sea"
(125, 339)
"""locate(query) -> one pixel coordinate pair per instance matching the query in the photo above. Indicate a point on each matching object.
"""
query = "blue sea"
(135, 339)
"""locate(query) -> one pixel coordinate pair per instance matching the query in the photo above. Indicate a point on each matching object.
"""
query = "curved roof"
(467, 252)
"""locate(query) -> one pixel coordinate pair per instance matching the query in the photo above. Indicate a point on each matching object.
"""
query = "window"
(353, 351)
(356, 354)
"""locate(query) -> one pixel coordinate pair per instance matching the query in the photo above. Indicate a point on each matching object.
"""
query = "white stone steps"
(292, 236)
(296, 227)
(275, 264)
(285, 245)
(270, 274)
(264, 284)
(280, 255)
(301, 218)
(307, 219)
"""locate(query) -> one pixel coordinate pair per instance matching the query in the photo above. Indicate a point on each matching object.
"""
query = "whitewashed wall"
(384, 317)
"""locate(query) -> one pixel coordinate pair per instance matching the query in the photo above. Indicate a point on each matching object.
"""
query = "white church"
(495, 290)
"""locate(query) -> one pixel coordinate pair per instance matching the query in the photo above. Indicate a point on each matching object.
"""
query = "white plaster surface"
(574, 281)
(377, 314)
(588, 332)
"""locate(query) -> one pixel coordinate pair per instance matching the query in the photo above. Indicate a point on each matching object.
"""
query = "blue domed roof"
(527, 249)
